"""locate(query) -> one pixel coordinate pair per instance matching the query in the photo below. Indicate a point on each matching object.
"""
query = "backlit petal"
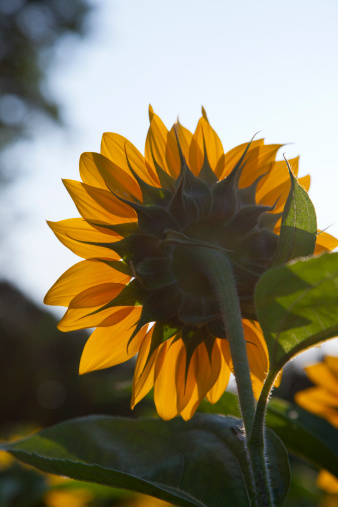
(98, 204)
(83, 318)
(98, 171)
(144, 376)
(74, 232)
(223, 379)
(325, 243)
(322, 376)
(165, 393)
(97, 295)
(328, 483)
(108, 346)
(319, 401)
(256, 161)
(115, 147)
(161, 144)
(204, 133)
(82, 276)
(207, 374)
(233, 156)
(184, 138)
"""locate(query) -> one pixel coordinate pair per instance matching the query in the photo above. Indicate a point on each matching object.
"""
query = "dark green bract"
(164, 251)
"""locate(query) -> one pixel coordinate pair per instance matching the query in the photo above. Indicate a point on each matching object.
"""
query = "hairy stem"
(220, 274)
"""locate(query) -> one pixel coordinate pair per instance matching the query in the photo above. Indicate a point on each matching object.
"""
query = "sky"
(268, 66)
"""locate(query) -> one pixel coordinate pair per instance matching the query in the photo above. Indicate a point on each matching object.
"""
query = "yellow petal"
(74, 232)
(82, 318)
(325, 243)
(115, 147)
(319, 401)
(223, 379)
(213, 145)
(233, 156)
(98, 204)
(80, 277)
(316, 399)
(96, 296)
(257, 350)
(184, 138)
(281, 193)
(144, 375)
(321, 375)
(328, 482)
(332, 364)
(98, 171)
(165, 394)
(257, 354)
(277, 174)
(207, 374)
(184, 385)
(161, 144)
(108, 346)
(257, 160)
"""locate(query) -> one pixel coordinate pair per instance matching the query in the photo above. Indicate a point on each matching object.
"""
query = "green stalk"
(214, 263)
(220, 274)
(256, 441)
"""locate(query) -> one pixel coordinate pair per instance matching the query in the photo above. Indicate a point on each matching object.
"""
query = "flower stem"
(256, 441)
(220, 274)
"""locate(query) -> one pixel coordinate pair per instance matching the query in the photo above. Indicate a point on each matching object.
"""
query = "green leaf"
(297, 306)
(299, 225)
(196, 463)
(305, 434)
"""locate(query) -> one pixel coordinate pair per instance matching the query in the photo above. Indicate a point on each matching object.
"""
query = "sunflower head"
(175, 222)
(145, 224)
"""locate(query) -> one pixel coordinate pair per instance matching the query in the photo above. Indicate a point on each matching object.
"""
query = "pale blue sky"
(268, 66)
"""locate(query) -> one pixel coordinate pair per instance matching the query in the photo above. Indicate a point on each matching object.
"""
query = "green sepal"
(192, 337)
(123, 230)
(166, 181)
(161, 333)
(298, 232)
(155, 272)
(151, 195)
(195, 311)
(159, 306)
(133, 294)
(259, 245)
(247, 195)
(269, 220)
(119, 266)
(206, 174)
(247, 218)
(216, 328)
(226, 194)
(154, 220)
(191, 200)
(224, 197)
(136, 247)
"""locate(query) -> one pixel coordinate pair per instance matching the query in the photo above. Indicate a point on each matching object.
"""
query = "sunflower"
(322, 400)
(143, 220)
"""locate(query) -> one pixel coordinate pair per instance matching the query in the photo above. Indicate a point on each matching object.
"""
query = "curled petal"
(108, 346)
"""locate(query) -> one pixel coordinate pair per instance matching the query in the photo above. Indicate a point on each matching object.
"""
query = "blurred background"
(73, 69)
